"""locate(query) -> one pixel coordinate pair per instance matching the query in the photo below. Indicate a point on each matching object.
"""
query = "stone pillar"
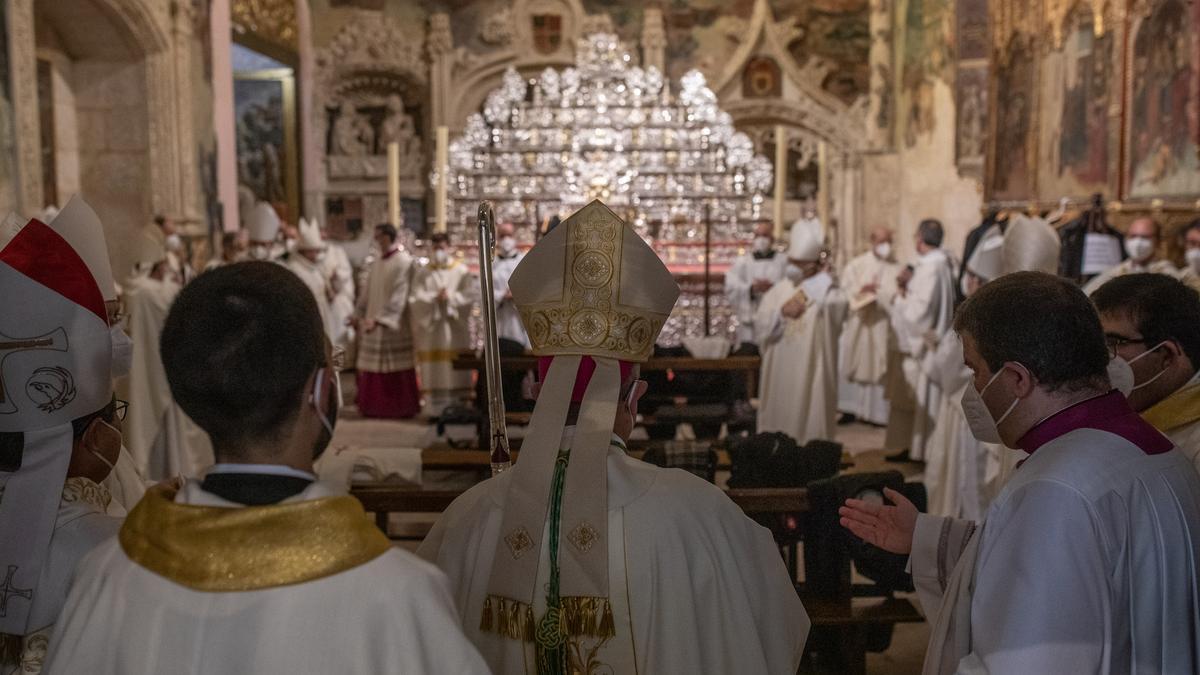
(187, 185)
(654, 39)
(441, 63)
(881, 109)
(224, 127)
(310, 183)
(22, 55)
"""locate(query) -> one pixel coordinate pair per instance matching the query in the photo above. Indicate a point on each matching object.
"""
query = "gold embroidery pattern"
(518, 542)
(79, 489)
(589, 316)
(583, 537)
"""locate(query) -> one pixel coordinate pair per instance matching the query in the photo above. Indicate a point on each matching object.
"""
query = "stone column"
(310, 183)
(224, 126)
(187, 186)
(441, 63)
(881, 109)
(654, 39)
(22, 55)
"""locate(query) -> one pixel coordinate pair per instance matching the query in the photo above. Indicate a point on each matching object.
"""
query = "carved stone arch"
(475, 88)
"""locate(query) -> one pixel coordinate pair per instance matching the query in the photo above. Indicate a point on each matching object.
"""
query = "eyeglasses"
(1115, 342)
(120, 409)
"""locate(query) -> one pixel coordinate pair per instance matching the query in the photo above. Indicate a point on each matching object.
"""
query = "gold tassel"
(530, 625)
(502, 617)
(608, 627)
(485, 620)
(589, 616)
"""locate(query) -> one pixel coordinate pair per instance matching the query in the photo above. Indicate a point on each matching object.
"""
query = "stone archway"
(118, 121)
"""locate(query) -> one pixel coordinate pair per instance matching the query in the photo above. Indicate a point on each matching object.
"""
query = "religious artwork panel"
(1077, 87)
(1162, 152)
(927, 54)
(266, 148)
(972, 19)
(971, 96)
(1012, 112)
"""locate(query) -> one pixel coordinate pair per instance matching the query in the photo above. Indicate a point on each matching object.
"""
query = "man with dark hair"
(921, 315)
(1087, 560)
(259, 567)
(1191, 255)
(387, 379)
(233, 249)
(1142, 241)
(1152, 322)
(443, 293)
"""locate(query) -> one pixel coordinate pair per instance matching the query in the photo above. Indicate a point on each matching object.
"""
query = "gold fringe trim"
(11, 648)
(578, 616)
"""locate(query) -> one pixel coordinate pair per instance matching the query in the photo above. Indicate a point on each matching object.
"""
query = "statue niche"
(361, 126)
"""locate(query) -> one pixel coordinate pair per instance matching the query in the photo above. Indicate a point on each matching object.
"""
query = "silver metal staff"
(500, 455)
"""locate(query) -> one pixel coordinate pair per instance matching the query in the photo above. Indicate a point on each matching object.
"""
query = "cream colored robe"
(392, 614)
(162, 440)
(388, 348)
(923, 317)
(508, 319)
(699, 587)
(867, 336)
(340, 276)
(441, 330)
(1087, 563)
(955, 475)
(1130, 267)
(739, 283)
(798, 381)
(313, 276)
(81, 525)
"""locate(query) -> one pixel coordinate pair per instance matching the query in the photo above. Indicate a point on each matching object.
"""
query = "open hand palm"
(887, 527)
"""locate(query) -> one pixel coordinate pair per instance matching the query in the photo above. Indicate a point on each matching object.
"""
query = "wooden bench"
(444, 458)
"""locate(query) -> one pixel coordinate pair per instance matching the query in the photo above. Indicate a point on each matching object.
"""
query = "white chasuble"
(695, 586)
(739, 288)
(867, 337)
(441, 330)
(200, 585)
(339, 273)
(1087, 563)
(798, 381)
(955, 475)
(313, 276)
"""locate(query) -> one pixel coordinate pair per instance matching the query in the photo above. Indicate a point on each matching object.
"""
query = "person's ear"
(535, 389)
(1026, 382)
(1172, 352)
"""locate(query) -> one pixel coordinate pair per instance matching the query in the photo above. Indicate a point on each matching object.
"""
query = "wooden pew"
(850, 622)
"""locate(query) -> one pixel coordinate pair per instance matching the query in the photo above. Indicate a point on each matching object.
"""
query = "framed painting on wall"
(267, 159)
(1012, 118)
(1161, 151)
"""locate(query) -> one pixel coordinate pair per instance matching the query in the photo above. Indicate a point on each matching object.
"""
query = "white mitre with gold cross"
(590, 293)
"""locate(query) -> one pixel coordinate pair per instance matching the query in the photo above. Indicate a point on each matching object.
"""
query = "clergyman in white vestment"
(750, 277)
(581, 558)
(1087, 560)
(308, 263)
(1152, 323)
(508, 256)
(59, 435)
(259, 568)
(1142, 241)
(870, 283)
(799, 322)
(443, 293)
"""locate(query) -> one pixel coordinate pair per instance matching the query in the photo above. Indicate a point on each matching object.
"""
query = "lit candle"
(393, 155)
(441, 166)
(780, 177)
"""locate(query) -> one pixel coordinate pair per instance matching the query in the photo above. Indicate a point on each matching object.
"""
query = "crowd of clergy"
(187, 531)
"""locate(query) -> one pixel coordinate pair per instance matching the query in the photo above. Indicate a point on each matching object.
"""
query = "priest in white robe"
(386, 372)
(800, 321)
(262, 229)
(1088, 558)
(748, 280)
(923, 312)
(161, 438)
(1152, 323)
(1190, 274)
(443, 294)
(1143, 240)
(257, 568)
(508, 256)
(59, 434)
(580, 558)
(308, 263)
(870, 283)
(339, 274)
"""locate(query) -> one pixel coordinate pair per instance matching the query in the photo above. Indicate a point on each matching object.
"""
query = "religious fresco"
(927, 54)
(1013, 114)
(971, 97)
(266, 150)
(1162, 152)
(1078, 86)
(972, 36)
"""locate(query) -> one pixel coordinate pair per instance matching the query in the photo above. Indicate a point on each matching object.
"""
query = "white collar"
(268, 469)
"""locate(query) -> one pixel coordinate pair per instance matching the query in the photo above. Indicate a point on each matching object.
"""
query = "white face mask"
(507, 245)
(1120, 375)
(1139, 248)
(883, 250)
(984, 428)
(174, 242)
(122, 351)
(1193, 259)
(1136, 359)
(260, 252)
(794, 273)
(762, 244)
(441, 256)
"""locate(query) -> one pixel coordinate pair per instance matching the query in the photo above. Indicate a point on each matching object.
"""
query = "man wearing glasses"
(1152, 322)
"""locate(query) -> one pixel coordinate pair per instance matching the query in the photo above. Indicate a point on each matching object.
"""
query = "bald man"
(870, 283)
(1142, 241)
(750, 277)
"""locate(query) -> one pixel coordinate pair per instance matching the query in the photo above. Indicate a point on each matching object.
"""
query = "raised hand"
(888, 527)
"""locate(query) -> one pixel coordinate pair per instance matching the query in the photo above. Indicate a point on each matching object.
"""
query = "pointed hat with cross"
(55, 354)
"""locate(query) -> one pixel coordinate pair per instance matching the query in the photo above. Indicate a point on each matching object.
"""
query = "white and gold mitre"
(592, 286)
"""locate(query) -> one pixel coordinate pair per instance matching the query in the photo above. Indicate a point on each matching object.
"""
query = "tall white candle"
(393, 154)
(442, 166)
(780, 178)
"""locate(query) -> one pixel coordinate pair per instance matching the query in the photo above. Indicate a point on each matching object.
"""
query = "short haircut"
(160, 220)
(388, 230)
(1041, 321)
(230, 239)
(1161, 306)
(239, 346)
(931, 232)
(439, 238)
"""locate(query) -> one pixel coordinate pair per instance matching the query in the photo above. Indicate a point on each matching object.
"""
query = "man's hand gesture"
(888, 527)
